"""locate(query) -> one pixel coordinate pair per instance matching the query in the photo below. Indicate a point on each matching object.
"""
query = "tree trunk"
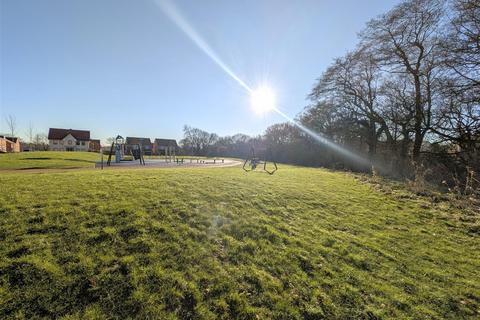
(418, 140)
(403, 153)
(372, 140)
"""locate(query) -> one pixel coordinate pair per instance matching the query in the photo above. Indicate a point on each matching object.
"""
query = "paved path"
(160, 163)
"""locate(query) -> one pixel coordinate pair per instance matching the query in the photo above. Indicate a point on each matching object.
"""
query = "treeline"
(407, 98)
(409, 92)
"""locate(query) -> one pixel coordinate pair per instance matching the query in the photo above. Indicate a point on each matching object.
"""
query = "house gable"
(141, 141)
(166, 143)
(69, 137)
(59, 134)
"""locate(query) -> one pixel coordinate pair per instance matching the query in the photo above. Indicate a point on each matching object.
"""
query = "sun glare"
(262, 100)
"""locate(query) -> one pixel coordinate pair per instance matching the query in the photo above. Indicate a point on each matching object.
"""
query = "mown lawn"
(220, 243)
(47, 160)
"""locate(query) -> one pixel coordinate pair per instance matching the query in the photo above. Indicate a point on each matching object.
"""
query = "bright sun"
(262, 100)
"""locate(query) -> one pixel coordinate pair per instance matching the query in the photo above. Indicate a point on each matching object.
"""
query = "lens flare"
(262, 99)
(326, 142)
(175, 15)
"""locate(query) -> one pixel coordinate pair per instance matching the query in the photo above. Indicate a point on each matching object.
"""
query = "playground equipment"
(119, 150)
(167, 148)
(137, 153)
(254, 161)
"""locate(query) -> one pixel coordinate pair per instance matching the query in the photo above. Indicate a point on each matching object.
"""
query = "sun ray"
(262, 99)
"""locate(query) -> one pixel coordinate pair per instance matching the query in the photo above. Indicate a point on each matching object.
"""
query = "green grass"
(47, 160)
(220, 243)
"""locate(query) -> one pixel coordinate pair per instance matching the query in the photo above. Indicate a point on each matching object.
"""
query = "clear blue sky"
(121, 66)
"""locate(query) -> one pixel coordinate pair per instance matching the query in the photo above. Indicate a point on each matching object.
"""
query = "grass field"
(47, 160)
(220, 243)
(60, 160)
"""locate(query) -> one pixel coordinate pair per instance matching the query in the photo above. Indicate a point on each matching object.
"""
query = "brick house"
(165, 147)
(9, 144)
(132, 143)
(94, 145)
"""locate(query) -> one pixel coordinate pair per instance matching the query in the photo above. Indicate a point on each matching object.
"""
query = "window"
(83, 143)
(69, 141)
(78, 143)
(55, 141)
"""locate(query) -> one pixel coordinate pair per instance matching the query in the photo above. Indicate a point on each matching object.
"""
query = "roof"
(12, 139)
(59, 134)
(136, 140)
(166, 142)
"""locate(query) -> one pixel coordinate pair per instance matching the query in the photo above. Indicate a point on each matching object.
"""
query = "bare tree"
(30, 132)
(461, 48)
(406, 39)
(198, 141)
(398, 98)
(31, 136)
(11, 122)
(352, 83)
(110, 140)
(41, 141)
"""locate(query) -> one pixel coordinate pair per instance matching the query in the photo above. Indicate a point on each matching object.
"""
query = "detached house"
(132, 143)
(166, 147)
(69, 140)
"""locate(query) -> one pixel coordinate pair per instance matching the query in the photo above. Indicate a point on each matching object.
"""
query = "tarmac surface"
(189, 163)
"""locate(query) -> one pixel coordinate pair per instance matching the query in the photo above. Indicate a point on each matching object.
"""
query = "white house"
(68, 140)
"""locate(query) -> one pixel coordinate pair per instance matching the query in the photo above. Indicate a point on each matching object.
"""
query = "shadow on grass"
(37, 158)
(59, 159)
(79, 160)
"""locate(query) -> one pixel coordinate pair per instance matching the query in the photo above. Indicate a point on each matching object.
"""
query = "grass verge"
(47, 160)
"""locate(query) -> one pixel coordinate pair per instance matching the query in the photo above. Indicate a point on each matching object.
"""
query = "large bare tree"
(352, 83)
(461, 48)
(405, 40)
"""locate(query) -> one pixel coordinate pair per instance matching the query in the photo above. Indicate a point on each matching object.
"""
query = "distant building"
(95, 145)
(70, 140)
(9, 144)
(165, 147)
(25, 147)
(132, 143)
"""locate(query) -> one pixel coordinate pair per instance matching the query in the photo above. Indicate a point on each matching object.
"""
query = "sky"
(124, 67)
